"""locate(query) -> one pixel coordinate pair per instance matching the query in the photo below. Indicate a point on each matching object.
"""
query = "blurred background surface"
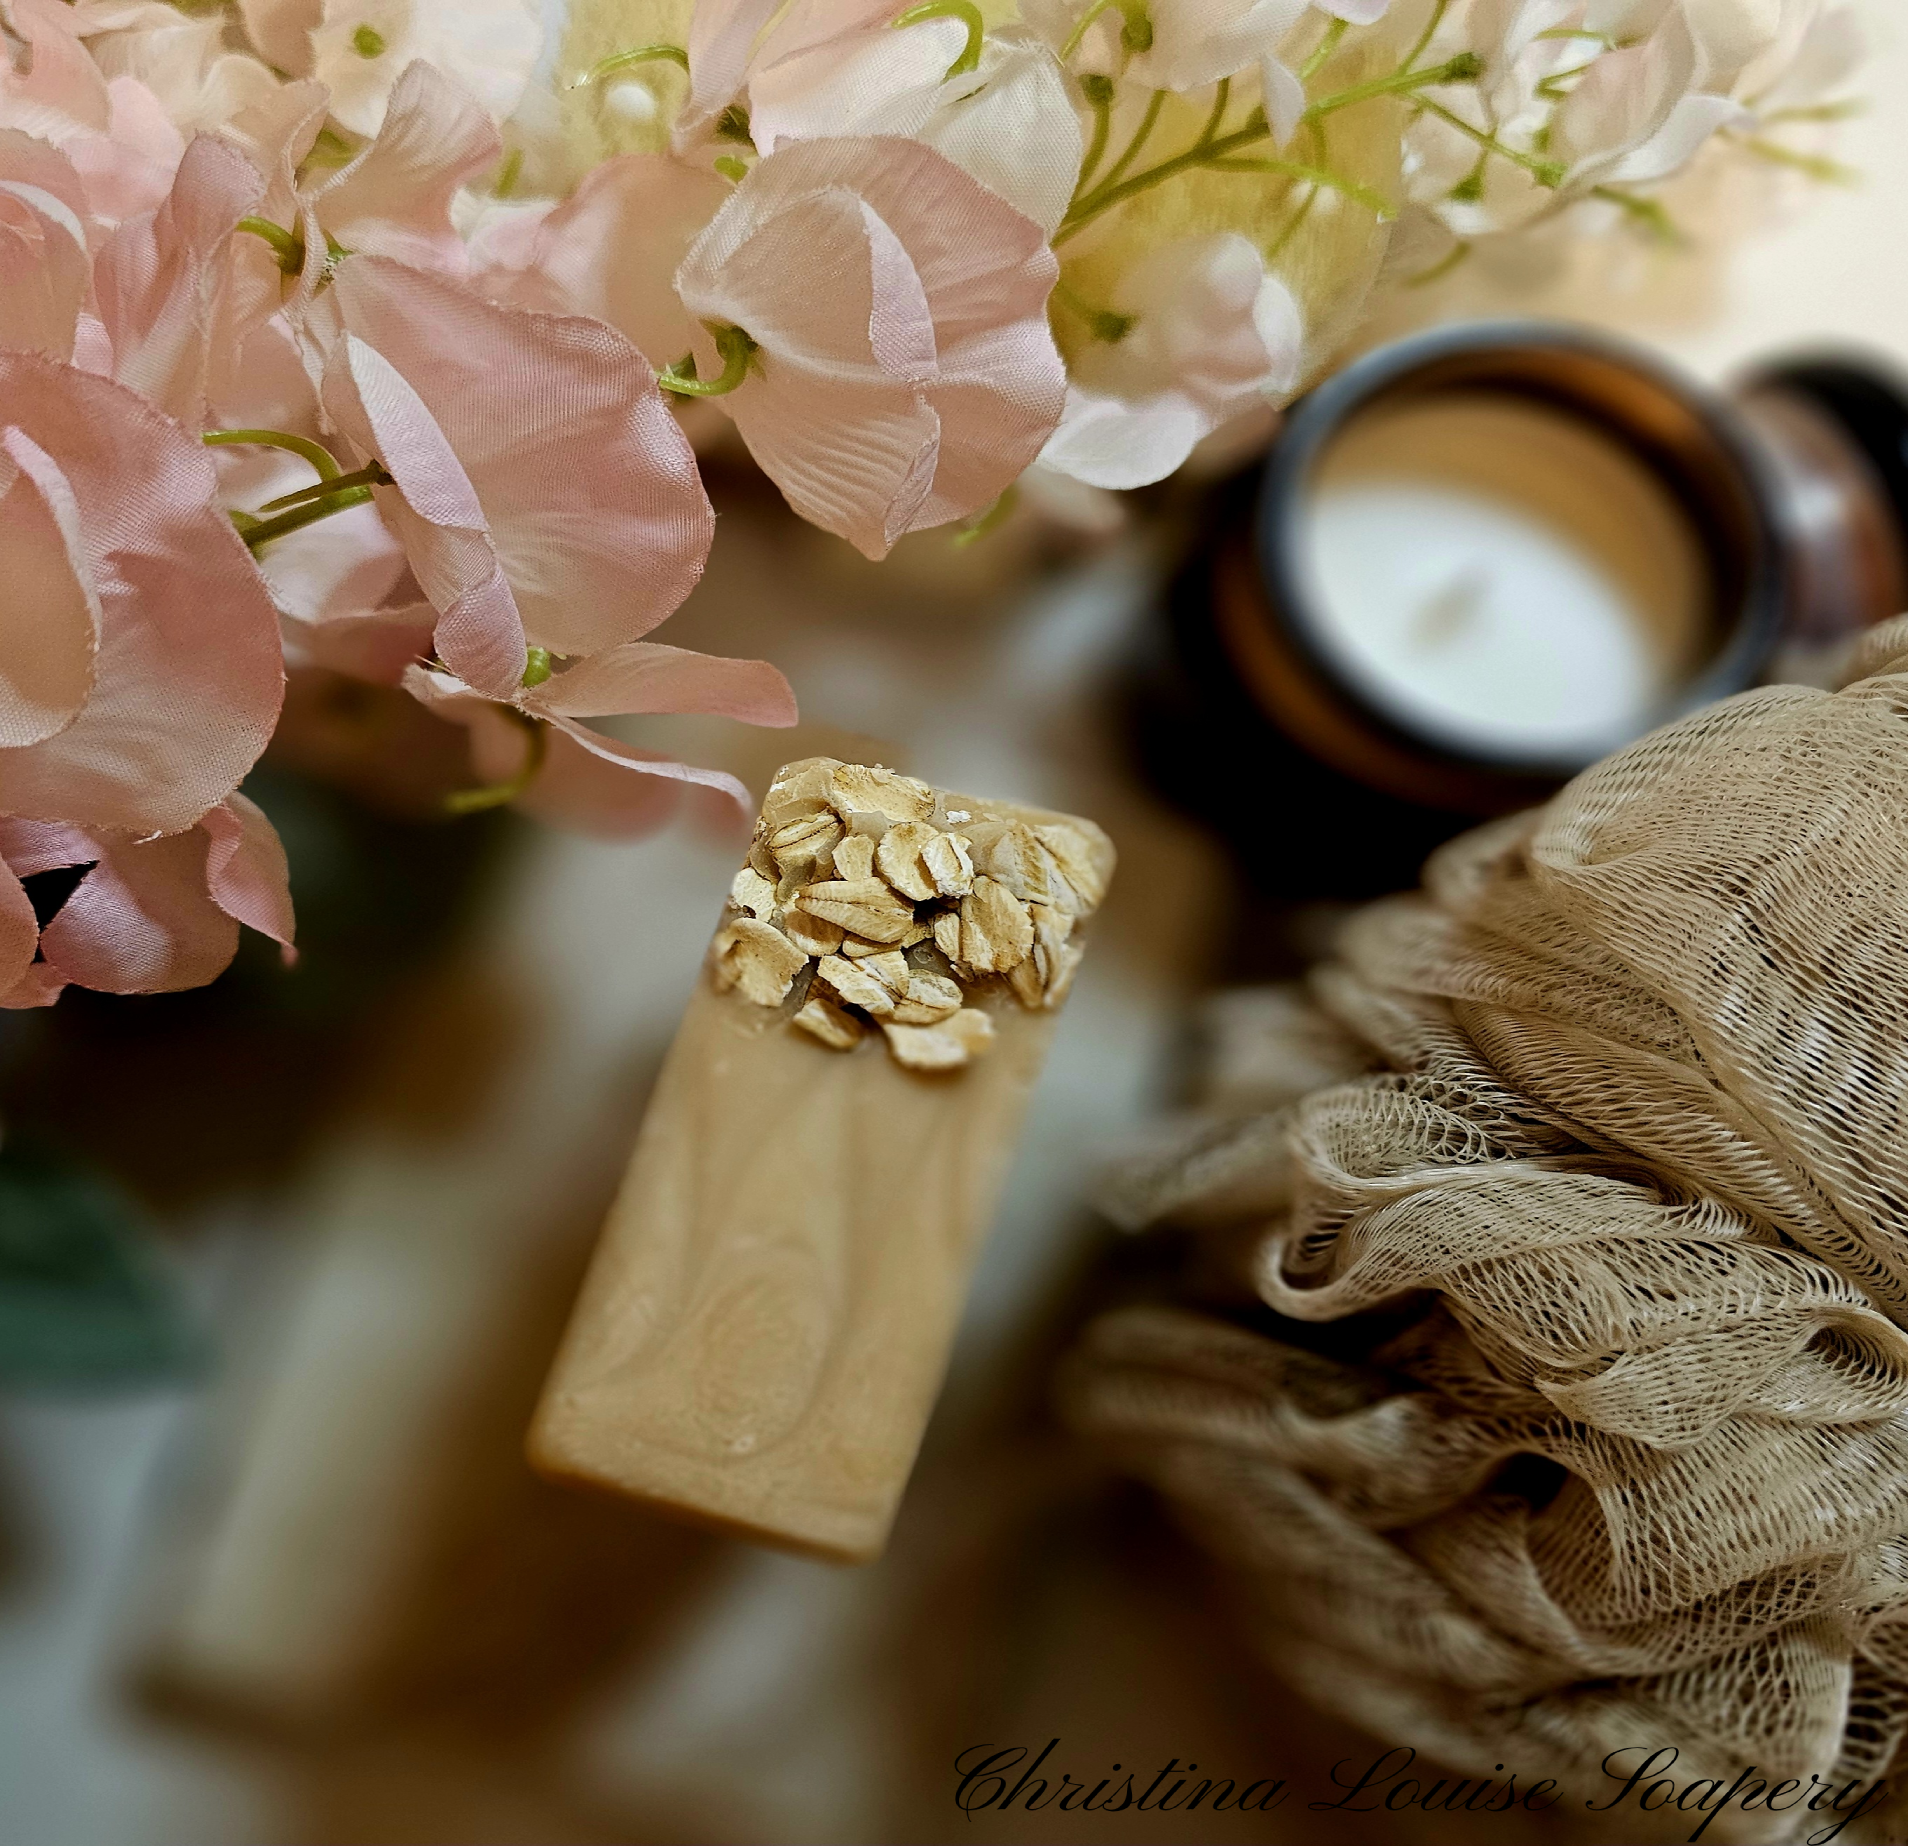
(305, 1590)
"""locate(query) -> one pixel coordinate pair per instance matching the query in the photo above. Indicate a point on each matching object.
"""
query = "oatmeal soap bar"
(767, 1319)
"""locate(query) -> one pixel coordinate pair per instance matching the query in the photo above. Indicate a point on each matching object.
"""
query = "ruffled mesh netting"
(1631, 1172)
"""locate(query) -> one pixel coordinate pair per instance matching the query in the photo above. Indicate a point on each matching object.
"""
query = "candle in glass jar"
(1501, 576)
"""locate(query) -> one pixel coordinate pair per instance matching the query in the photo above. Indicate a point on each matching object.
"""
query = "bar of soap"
(766, 1323)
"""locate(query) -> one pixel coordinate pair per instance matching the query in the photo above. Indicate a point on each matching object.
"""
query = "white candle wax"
(1501, 575)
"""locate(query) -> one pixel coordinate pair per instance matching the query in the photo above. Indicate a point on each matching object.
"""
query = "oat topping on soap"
(869, 907)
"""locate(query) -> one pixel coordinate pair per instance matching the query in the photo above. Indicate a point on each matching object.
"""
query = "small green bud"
(1466, 67)
(1096, 89)
(732, 169)
(1137, 33)
(1469, 189)
(536, 666)
(368, 42)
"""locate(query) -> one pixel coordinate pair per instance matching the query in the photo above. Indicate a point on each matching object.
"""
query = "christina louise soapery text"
(998, 1779)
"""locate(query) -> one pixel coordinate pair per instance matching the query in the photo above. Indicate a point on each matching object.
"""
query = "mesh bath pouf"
(1628, 1166)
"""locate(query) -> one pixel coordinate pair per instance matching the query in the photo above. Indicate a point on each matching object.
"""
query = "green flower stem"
(968, 14)
(287, 246)
(1818, 112)
(1136, 33)
(316, 453)
(500, 794)
(1817, 166)
(1293, 225)
(1221, 97)
(1216, 152)
(263, 531)
(984, 523)
(1103, 323)
(1645, 212)
(307, 505)
(736, 350)
(1466, 67)
(1099, 97)
(1321, 55)
(1139, 140)
(372, 474)
(1113, 190)
(1441, 268)
(629, 60)
(1547, 173)
(1375, 203)
(1430, 32)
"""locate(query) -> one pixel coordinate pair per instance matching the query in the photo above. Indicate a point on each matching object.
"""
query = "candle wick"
(1454, 609)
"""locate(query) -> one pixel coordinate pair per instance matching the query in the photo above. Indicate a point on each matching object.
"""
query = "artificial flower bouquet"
(357, 336)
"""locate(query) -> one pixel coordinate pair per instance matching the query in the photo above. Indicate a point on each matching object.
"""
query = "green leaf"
(84, 1298)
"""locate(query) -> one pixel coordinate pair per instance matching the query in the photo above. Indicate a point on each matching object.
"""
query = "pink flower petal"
(435, 512)
(611, 249)
(855, 459)
(142, 920)
(722, 35)
(829, 88)
(53, 89)
(40, 985)
(19, 938)
(588, 487)
(50, 615)
(159, 278)
(26, 162)
(31, 846)
(588, 782)
(378, 648)
(645, 763)
(647, 676)
(189, 676)
(583, 793)
(281, 29)
(840, 316)
(45, 270)
(395, 198)
(129, 169)
(246, 872)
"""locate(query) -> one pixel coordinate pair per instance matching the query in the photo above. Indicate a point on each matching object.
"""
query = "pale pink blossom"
(151, 915)
(1638, 114)
(736, 44)
(543, 493)
(360, 48)
(394, 198)
(903, 372)
(49, 86)
(1010, 122)
(584, 780)
(140, 676)
(281, 30)
(180, 59)
(1812, 62)
(162, 280)
(117, 134)
(1211, 333)
(1195, 43)
(129, 169)
(45, 267)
